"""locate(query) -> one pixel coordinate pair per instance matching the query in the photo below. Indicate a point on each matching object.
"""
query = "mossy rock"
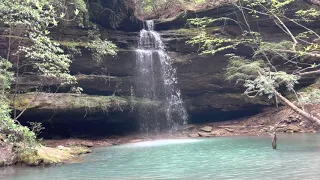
(44, 156)
(75, 150)
(65, 101)
(51, 156)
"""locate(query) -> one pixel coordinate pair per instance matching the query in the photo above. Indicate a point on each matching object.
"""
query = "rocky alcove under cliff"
(106, 108)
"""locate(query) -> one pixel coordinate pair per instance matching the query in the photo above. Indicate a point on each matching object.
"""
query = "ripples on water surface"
(240, 158)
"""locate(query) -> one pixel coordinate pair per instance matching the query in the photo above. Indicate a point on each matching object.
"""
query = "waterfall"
(155, 83)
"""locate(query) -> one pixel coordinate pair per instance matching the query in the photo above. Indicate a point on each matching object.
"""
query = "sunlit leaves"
(308, 15)
(241, 69)
(32, 14)
(6, 76)
(76, 12)
(62, 15)
(201, 22)
(28, 21)
(311, 96)
(272, 4)
(14, 132)
(48, 58)
(281, 3)
(208, 43)
(100, 47)
(267, 82)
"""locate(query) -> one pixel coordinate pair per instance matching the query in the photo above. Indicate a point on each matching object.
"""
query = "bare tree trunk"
(274, 141)
(16, 90)
(309, 73)
(297, 109)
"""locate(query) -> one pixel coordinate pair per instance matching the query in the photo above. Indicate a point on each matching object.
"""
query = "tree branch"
(309, 73)
(316, 55)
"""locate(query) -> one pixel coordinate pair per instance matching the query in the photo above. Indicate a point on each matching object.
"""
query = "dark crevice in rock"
(209, 114)
(71, 124)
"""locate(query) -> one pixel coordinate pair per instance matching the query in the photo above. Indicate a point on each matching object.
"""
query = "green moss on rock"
(75, 150)
(65, 101)
(195, 31)
(44, 156)
(49, 156)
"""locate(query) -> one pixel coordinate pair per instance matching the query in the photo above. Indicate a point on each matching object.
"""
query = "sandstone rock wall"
(201, 79)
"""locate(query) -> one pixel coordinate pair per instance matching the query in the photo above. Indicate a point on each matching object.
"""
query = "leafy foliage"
(211, 44)
(241, 69)
(310, 96)
(26, 46)
(72, 10)
(28, 22)
(36, 15)
(257, 78)
(308, 15)
(100, 47)
(14, 131)
(257, 73)
(48, 58)
(6, 76)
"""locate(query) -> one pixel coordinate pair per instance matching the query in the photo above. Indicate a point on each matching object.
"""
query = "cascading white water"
(156, 83)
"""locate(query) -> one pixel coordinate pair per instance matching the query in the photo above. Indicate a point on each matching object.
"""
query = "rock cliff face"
(207, 96)
(201, 79)
(108, 107)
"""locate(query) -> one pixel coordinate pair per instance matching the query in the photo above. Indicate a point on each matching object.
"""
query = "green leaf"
(62, 15)
(76, 12)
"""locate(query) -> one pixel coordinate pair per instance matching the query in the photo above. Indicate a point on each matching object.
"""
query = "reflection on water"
(240, 158)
